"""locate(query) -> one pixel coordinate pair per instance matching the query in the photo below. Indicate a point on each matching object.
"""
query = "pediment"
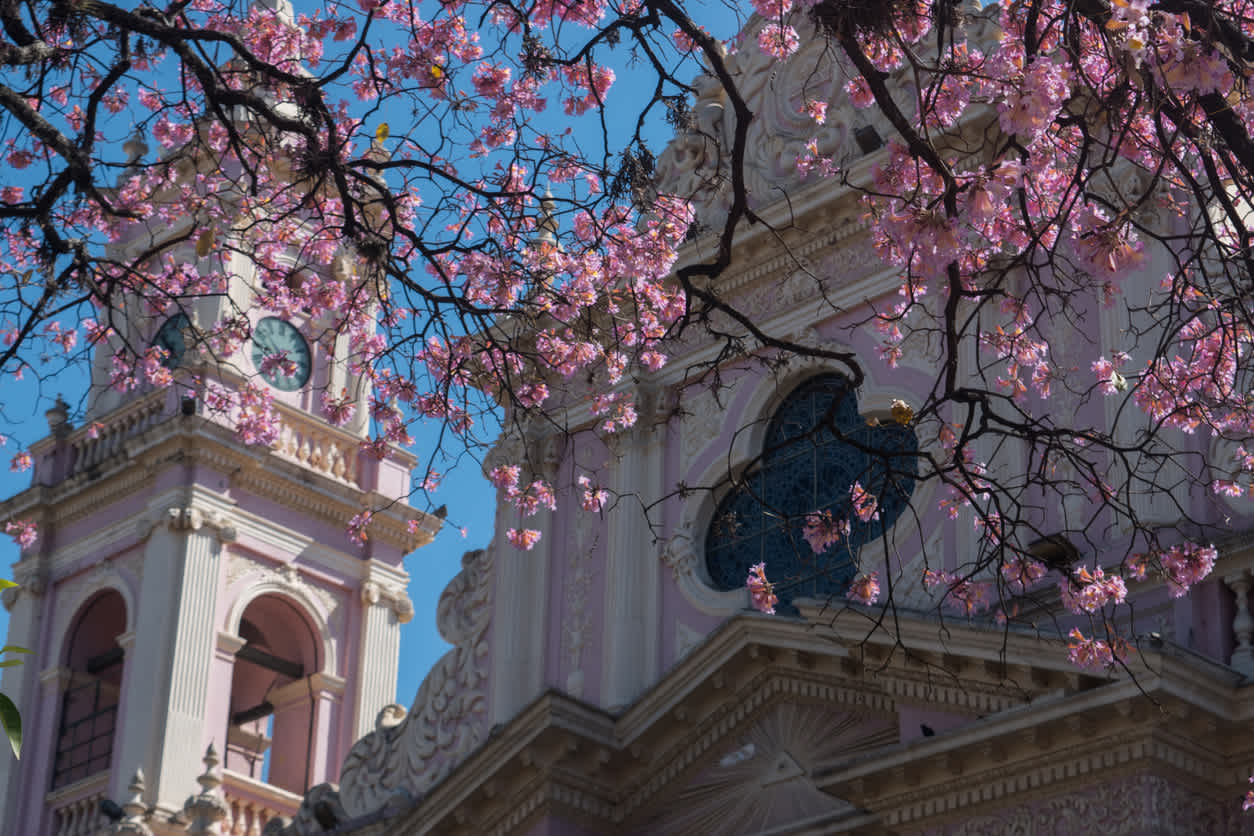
(762, 779)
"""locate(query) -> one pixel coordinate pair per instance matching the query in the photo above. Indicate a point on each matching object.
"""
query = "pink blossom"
(761, 592)
(1095, 654)
(257, 419)
(1088, 592)
(816, 110)
(594, 499)
(23, 532)
(865, 589)
(779, 40)
(505, 477)
(357, 527)
(859, 92)
(21, 462)
(1022, 573)
(524, 539)
(338, 411)
(1187, 564)
(865, 505)
(822, 531)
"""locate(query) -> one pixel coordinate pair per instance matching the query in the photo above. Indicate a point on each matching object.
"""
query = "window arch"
(817, 446)
(270, 734)
(89, 705)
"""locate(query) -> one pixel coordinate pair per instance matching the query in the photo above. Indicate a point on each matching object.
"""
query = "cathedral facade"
(614, 679)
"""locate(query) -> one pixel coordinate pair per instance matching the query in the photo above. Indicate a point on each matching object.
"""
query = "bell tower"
(193, 582)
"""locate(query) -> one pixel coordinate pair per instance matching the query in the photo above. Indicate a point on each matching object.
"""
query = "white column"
(632, 631)
(381, 622)
(165, 703)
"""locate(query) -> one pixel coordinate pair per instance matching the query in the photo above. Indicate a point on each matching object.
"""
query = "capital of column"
(374, 593)
(188, 518)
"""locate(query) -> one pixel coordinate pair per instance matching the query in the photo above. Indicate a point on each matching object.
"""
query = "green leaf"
(12, 722)
(5, 583)
(8, 663)
(13, 648)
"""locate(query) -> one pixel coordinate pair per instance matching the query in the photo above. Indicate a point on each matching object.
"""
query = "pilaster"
(522, 597)
(167, 695)
(384, 609)
(631, 573)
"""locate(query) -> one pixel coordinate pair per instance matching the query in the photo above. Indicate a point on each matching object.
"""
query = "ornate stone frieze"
(448, 719)
(287, 576)
(1136, 804)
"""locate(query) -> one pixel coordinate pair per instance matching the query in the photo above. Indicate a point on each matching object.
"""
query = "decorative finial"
(133, 821)
(58, 417)
(546, 224)
(207, 808)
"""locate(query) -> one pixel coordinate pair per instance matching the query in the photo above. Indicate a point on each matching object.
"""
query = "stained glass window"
(817, 445)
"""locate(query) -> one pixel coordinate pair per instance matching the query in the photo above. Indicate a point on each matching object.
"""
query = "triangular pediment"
(761, 780)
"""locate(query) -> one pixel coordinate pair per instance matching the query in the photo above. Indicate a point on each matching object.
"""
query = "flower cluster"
(822, 531)
(865, 589)
(761, 594)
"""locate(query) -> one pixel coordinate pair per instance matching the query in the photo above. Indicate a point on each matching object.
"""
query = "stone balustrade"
(100, 441)
(76, 807)
(252, 803)
(320, 448)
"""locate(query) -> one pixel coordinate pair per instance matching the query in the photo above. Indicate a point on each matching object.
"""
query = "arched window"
(817, 446)
(270, 735)
(89, 706)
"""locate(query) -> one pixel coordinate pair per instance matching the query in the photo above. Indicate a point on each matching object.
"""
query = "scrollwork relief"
(449, 716)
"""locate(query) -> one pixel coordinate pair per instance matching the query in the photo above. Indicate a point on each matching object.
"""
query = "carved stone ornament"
(702, 422)
(762, 779)
(1138, 804)
(448, 720)
(186, 518)
(289, 577)
(696, 164)
(374, 593)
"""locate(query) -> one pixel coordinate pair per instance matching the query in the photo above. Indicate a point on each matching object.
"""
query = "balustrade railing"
(102, 440)
(252, 803)
(317, 447)
(76, 808)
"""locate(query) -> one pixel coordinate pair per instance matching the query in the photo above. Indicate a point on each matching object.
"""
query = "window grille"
(817, 445)
(89, 712)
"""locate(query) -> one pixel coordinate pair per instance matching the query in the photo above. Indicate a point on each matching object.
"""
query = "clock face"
(281, 354)
(171, 337)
